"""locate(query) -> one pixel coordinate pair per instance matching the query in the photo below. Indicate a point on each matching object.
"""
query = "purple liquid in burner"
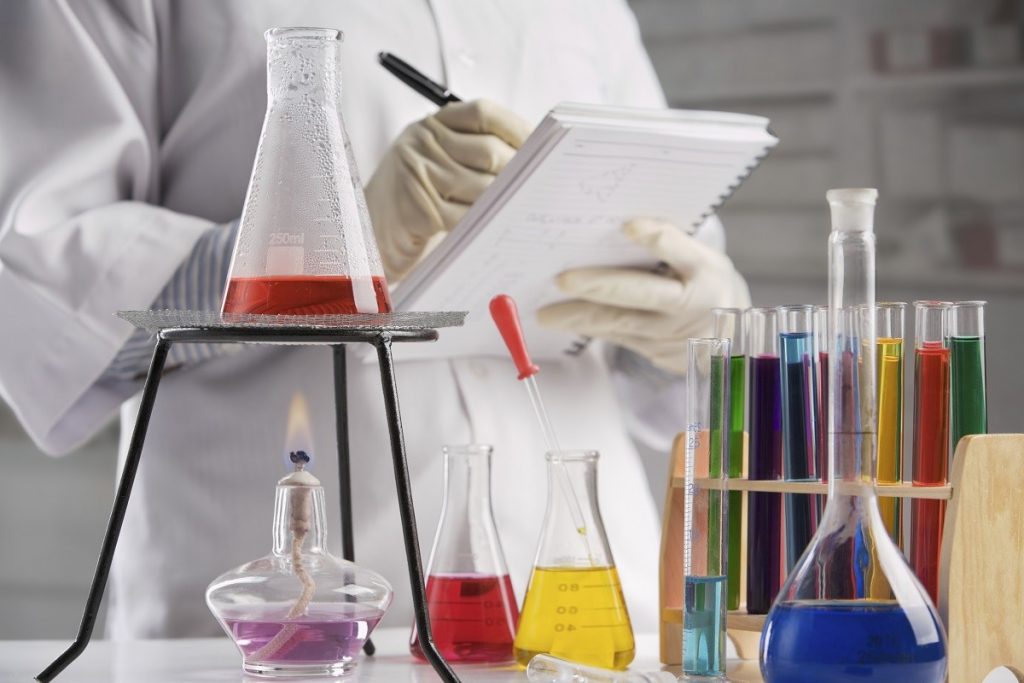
(322, 635)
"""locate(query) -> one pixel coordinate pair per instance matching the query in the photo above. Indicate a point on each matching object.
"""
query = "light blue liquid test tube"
(706, 510)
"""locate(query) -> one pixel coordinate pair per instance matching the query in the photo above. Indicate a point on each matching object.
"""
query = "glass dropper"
(506, 317)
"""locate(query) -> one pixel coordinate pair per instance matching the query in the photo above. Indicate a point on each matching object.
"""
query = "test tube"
(931, 437)
(969, 413)
(799, 426)
(889, 470)
(547, 669)
(728, 324)
(764, 514)
(821, 344)
(706, 555)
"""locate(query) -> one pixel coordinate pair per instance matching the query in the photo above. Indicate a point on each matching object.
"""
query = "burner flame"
(300, 434)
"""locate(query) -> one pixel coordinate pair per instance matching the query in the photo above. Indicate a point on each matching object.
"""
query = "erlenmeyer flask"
(305, 244)
(574, 608)
(851, 610)
(473, 611)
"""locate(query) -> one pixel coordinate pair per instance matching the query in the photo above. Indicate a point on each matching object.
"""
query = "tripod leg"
(124, 492)
(405, 507)
(348, 544)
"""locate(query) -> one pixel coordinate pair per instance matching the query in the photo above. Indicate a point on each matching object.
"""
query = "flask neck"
(467, 538)
(851, 348)
(573, 533)
(303, 66)
(299, 515)
(467, 490)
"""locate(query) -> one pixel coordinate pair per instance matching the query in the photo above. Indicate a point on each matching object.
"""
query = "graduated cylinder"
(706, 511)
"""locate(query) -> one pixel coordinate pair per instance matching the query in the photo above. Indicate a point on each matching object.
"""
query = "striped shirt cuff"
(197, 285)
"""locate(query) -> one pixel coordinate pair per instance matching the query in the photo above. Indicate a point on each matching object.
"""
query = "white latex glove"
(649, 313)
(433, 172)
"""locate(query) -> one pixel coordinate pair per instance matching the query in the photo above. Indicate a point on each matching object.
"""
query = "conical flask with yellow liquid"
(574, 608)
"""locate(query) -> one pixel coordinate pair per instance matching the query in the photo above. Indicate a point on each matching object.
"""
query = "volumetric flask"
(473, 612)
(706, 510)
(574, 608)
(851, 610)
(305, 243)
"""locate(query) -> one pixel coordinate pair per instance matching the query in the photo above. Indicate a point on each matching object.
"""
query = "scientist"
(129, 131)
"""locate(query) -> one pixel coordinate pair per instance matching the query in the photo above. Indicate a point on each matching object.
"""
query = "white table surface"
(210, 660)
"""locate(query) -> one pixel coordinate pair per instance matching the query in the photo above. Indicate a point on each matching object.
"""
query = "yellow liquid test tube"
(890, 411)
(577, 614)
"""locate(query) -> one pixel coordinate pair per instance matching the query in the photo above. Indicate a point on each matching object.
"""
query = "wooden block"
(982, 569)
(670, 573)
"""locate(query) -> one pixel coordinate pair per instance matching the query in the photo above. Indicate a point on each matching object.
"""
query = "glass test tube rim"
(739, 332)
(769, 321)
(962, 314)
(884, 313)
(931, 339)
(471, 449)
(303, 33)
(572, 455)
(799, 316)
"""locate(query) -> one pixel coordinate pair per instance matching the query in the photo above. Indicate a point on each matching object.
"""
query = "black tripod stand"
(190, 327)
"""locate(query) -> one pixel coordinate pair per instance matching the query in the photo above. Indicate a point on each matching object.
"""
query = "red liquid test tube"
(931, 438)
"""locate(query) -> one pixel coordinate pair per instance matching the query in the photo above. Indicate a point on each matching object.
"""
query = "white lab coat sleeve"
(197, 285)
(78, 238)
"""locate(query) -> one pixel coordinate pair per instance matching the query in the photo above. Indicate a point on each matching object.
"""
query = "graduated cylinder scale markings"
(578, 614)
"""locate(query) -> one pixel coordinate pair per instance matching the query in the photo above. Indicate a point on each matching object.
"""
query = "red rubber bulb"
(506, 317)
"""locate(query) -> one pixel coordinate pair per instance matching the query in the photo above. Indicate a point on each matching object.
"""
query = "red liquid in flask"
(307, 295)
(473, 618)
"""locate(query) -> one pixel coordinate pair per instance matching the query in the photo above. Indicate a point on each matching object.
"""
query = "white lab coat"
(129, 128)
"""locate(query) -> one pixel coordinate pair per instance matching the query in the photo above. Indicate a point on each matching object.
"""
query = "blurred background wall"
(923, 99)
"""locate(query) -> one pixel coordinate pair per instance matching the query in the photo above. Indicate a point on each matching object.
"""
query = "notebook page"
(567, 214)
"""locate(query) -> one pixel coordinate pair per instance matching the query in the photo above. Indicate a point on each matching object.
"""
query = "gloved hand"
(650, 313)
(432, 173)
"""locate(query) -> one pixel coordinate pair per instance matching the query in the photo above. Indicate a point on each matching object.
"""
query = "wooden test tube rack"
(981, 573)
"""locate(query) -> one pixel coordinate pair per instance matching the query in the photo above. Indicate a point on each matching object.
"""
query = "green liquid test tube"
(728, 324)
(968, 406)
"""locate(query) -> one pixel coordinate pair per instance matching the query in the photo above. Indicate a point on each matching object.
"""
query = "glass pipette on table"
(506, 317)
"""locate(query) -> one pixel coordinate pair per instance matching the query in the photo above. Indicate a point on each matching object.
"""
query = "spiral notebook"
(560, 204)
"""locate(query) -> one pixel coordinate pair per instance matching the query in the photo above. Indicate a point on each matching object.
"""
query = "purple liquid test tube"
(764, 516)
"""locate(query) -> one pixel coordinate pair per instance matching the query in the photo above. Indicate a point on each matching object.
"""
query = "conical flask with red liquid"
(305, 243)
(473, 611)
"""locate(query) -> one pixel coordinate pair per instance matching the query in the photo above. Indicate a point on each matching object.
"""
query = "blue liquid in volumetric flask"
(704, 626)
(849, 642)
